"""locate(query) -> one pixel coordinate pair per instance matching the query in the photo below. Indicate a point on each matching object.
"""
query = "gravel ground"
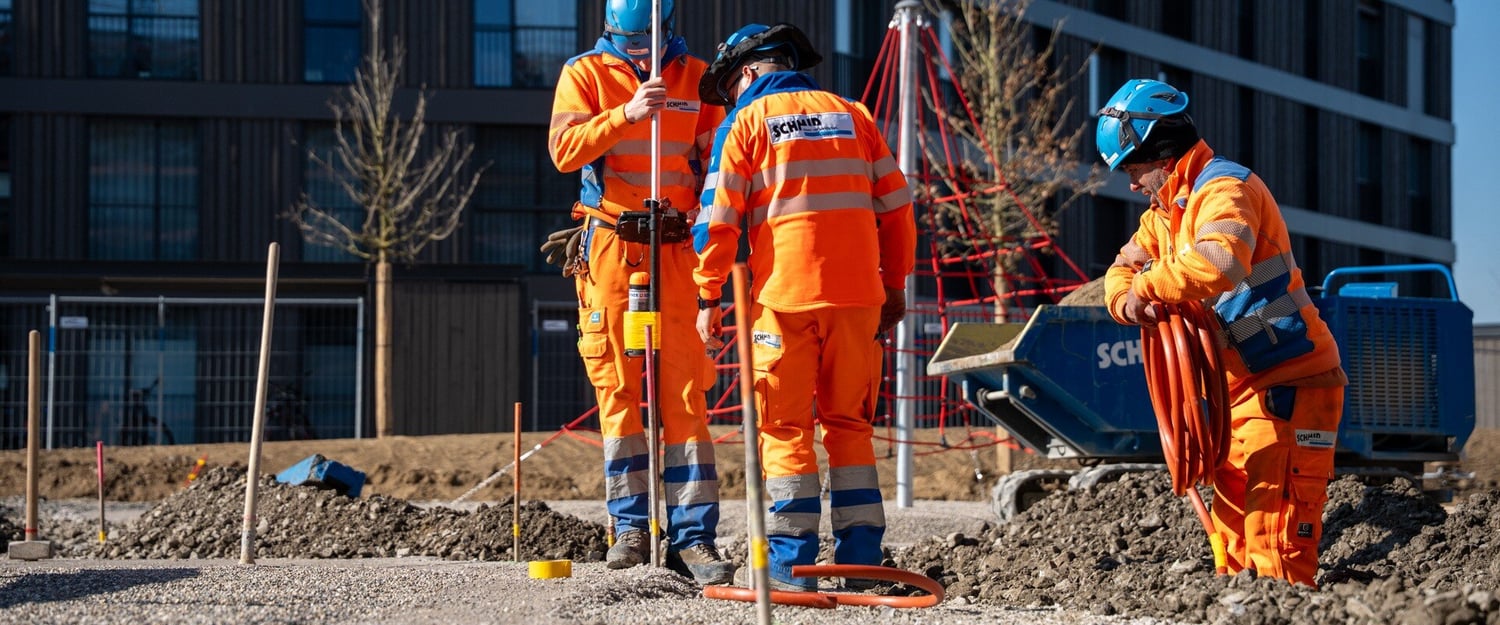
(1124, 552)
(418, 591)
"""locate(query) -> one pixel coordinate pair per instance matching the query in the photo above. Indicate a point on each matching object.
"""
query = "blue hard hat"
(1132, 112)
(627, 23)
(753, 41)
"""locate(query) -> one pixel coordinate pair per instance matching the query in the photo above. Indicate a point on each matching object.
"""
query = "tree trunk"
(1002, 289)
(383, 423)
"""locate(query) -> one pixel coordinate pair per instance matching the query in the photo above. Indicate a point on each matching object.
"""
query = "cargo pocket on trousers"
(1304, 523)
(593, 346)
(765, 349)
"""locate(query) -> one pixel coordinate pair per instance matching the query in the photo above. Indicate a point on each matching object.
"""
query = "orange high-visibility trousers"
(689, 475)
(1269, 493)
(819, 360)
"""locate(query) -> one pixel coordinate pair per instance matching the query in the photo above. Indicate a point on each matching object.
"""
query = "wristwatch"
(705, 304)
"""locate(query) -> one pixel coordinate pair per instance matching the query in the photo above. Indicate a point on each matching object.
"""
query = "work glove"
(892, 311)
(564, 248)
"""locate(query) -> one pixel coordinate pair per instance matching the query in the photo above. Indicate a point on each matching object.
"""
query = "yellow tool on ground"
(550, 569)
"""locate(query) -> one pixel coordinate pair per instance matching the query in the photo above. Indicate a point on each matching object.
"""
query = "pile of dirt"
(1389, 554)
(206, 521)
(1090, 294)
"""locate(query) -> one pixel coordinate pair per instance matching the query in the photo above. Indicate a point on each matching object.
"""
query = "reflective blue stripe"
(801, 505)
(690, 473)
(1220, 168)
(621, 466)
(854, 497)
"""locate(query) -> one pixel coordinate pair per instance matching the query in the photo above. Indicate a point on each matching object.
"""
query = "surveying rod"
(653, 206)
(759, 558)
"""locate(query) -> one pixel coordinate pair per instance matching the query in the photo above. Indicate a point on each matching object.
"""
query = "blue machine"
(315, 470)
(1069, 383)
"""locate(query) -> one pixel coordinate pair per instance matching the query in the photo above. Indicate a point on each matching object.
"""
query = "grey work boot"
(631, 548)
(701, 562)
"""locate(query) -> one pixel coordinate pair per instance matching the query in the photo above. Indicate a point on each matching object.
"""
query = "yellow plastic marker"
(550, 569)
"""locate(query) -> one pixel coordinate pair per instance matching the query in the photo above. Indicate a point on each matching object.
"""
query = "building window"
(1370, 49)
(521, 197)
(143, 190)
(5, 36)
(331, 37)
(1419, 185)
(1177, 19)
(325, 190)
(1368, 174)
(1416, 64)
(856, 43)
(522, 44)
(143, 39)
(5, 226)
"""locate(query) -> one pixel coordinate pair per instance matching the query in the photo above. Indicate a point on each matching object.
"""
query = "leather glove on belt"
(564, 248)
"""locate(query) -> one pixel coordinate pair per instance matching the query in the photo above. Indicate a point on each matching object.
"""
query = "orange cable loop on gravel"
(1189, 395)
(830, 600)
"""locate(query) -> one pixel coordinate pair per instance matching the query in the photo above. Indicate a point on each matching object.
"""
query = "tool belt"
(635, 227)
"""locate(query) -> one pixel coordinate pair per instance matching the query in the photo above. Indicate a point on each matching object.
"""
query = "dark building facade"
(148, 148)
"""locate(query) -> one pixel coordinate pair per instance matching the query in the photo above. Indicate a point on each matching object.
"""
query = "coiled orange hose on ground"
(812, 599)
(1189, 394)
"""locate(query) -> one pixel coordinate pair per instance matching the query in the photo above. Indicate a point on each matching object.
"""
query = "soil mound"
(205, 521)
(1390, 555)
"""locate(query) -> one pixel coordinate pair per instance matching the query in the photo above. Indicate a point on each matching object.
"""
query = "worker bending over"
(1214, 234)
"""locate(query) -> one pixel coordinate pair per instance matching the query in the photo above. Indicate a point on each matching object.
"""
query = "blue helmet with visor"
(627, 24)
(1133, 112)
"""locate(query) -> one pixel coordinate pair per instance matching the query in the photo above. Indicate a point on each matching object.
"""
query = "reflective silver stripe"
(1230, 227)
(719, 215)
(695, 491)
(803, 486)
(853, 477)
(795, 170)
(642, 148)
(1222, 259)
(1133, 254)
(813, 202)
(688, 493)
(1269, 269)
(869, 515)
(893, 200)
(792, 524)
(633, 482)
(642, 179)
(730, 180)
(1258, 320)
(883, 167)
(688, 454)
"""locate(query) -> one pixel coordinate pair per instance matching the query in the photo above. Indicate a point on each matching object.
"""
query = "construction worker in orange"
(1214, 234)
(832, 239)
(601, 125)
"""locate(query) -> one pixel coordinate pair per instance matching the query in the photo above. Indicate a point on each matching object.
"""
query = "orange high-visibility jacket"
(589, 131)
(1223, 240)
(829, 212)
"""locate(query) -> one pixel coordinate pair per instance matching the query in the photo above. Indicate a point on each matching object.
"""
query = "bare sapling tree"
(412, 191)
(1018, 150)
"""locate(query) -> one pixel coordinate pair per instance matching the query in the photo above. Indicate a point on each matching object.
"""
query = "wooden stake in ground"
(30, 548)
(99, 463)
(759, 560)
(515, 500)
(247, 534)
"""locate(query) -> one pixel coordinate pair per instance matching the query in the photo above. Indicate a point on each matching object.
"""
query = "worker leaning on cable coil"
(1214, 234)
(832, 239)
(601, 125)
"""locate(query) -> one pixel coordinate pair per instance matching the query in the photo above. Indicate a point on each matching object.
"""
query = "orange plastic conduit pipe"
(1189, 395)
(811, 599)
